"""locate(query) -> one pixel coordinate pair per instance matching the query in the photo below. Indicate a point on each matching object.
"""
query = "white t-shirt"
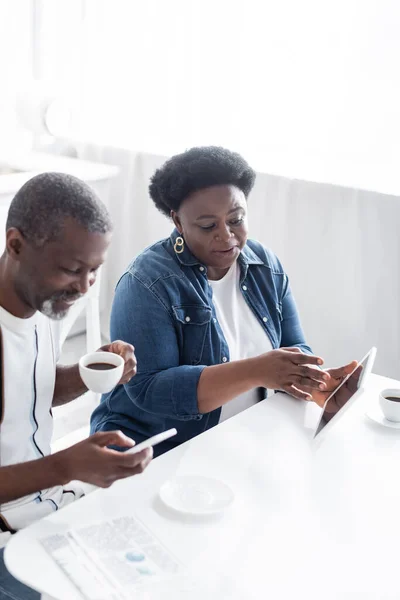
(243, 333)
(29, 356)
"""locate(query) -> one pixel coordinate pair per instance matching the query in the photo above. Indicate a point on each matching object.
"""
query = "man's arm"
(69, 384)
(90, 461)
(17, 481)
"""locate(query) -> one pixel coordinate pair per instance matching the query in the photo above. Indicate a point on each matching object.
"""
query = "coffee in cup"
(101, 371)
(98, 366)
(389, 401)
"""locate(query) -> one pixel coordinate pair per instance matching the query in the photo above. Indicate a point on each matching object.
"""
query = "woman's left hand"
(127, 351)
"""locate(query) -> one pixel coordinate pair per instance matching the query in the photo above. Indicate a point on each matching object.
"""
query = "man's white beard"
(48, 310)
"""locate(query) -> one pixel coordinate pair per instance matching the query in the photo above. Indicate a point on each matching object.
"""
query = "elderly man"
(57, 235)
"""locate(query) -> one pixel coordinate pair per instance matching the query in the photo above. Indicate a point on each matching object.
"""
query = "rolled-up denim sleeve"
(161, 386)
(292, 332)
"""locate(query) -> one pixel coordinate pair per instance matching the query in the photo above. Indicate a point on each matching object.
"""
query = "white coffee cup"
(390, 408)
(101, 380)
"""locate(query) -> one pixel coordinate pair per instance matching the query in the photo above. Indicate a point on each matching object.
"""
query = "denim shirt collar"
(246, 257)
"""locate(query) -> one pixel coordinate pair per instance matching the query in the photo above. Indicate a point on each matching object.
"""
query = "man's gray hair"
(39, 209)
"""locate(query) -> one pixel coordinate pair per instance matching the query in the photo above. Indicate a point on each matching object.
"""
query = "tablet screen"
(342, 394)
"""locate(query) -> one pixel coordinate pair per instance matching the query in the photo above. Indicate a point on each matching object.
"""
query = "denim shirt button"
(244, 288)
(214, 320)
(224, 359)
(201, 268)
(187, 319)
(265, 319)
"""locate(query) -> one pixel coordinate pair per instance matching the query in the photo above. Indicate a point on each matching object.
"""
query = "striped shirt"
(29, 355)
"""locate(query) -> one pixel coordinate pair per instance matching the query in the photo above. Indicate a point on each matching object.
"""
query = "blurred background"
(317, 75)
(308, 92)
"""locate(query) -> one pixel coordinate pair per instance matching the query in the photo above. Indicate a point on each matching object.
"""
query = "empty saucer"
(196, 495)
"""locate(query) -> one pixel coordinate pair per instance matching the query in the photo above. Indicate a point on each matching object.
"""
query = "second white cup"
(389, 401)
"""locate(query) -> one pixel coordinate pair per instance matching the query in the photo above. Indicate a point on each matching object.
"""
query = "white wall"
(249, 74)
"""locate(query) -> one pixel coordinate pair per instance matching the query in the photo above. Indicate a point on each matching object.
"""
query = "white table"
(304, 524)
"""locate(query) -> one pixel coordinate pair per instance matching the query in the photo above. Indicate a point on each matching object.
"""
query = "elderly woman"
(209, 311)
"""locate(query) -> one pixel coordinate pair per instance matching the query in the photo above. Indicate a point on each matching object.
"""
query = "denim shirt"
(163, 306)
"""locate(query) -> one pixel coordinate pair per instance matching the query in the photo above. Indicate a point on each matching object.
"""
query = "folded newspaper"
(112, 559)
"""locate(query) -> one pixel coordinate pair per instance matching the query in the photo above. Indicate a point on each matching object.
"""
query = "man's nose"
(86, 281)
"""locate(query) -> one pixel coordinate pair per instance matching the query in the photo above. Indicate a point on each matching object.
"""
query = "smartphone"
(153, 441)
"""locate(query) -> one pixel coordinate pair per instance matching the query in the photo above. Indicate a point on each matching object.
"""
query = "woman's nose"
(224, 233)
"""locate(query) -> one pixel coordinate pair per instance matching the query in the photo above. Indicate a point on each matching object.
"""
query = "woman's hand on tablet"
(336, 377)
(292, 371)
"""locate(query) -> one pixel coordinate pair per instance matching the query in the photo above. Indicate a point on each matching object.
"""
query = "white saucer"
(196, 495)
(375, 414)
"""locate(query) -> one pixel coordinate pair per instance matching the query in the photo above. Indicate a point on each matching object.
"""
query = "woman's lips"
(226, 251)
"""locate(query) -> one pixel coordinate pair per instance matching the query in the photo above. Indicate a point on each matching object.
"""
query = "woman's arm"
(163, 386)
(291, 372)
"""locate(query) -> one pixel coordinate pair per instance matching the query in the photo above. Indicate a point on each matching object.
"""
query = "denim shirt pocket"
(193, 325)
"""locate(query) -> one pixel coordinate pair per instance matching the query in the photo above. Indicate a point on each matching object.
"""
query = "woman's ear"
(177, 221)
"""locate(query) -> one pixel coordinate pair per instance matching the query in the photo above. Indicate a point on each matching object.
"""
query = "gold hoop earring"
(179, 245)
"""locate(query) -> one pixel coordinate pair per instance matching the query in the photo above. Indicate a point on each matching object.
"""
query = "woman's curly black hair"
(196, 169)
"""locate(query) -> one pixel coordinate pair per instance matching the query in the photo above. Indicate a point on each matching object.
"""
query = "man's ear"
(15, 243)
(177, 221)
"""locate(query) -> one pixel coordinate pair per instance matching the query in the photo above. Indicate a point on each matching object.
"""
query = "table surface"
(305, 523)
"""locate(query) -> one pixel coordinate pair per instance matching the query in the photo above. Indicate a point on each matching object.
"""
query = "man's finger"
(124, 472)
(112, 438)
(119, 346)
(130, 367)
(130, 461)
(293, 349)
(128, 374)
